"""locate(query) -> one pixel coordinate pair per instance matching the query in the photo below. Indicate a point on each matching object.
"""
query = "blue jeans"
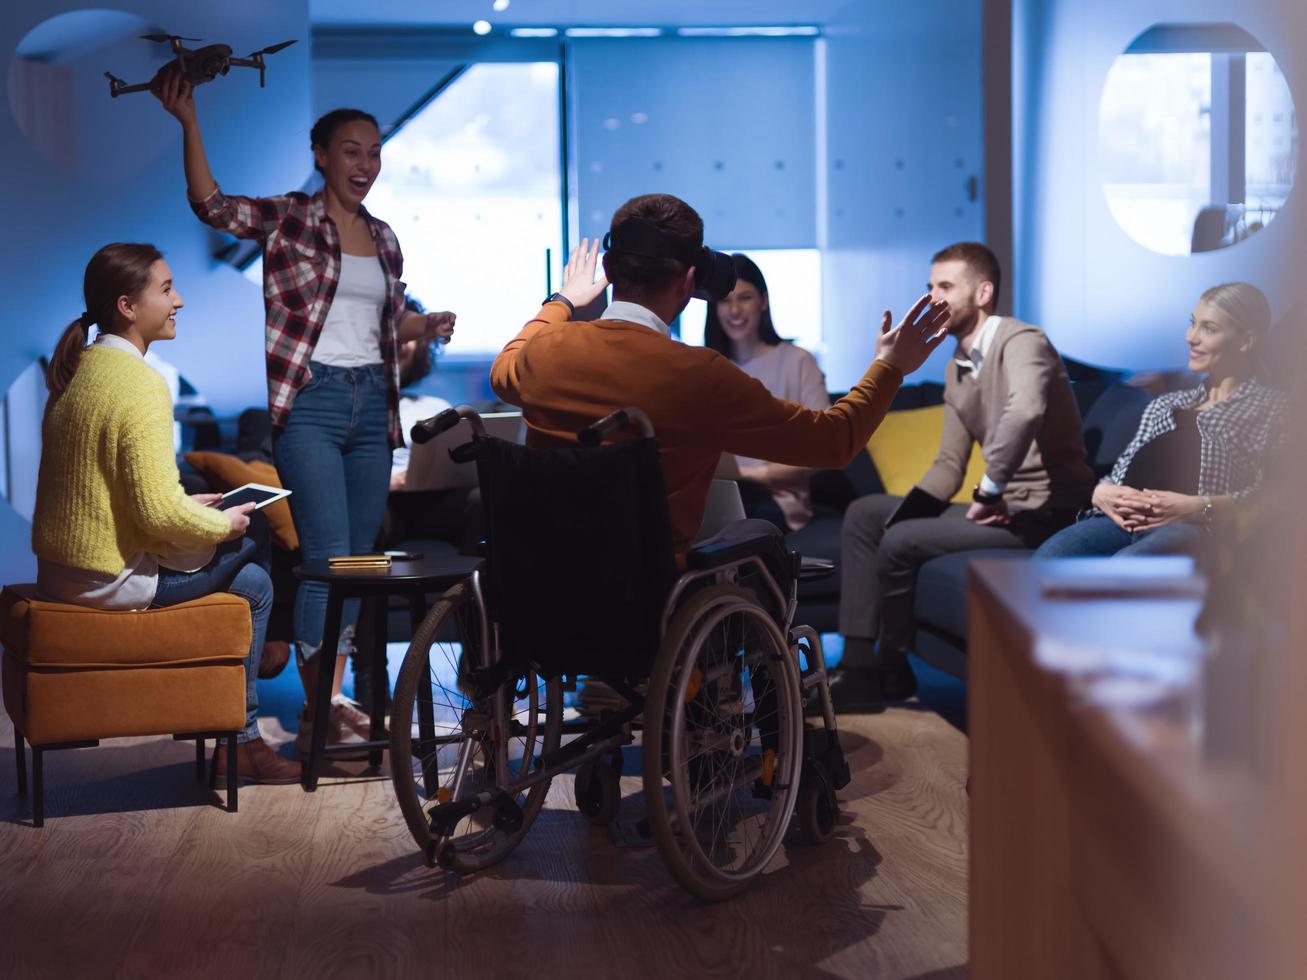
(1101, 537)
(334, 456)
(235, 568)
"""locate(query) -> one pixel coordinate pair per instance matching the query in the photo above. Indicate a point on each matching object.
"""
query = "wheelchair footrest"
(823, 745)
(508, 818)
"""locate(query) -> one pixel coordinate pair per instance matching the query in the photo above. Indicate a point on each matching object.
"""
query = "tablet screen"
(251, 493)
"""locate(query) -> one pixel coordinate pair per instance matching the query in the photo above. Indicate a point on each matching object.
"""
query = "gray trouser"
(878, 567)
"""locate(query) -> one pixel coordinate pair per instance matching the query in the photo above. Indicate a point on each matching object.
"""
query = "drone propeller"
(273, 49)
(165, 38)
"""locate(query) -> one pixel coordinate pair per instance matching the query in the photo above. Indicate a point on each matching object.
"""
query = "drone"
(197, 66)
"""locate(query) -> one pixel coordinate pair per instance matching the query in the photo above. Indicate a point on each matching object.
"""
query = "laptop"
(429, 465)
(917, 504)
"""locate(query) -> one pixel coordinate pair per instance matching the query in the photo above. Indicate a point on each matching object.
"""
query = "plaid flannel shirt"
(1237, 436)
(301, 269)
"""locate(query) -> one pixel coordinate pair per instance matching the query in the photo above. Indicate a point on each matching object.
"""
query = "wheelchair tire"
(598, 792)
(717, 636)
(816, 808)
(448, 741)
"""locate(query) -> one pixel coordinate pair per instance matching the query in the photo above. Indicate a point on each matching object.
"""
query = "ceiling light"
(500, 5)
(805, 31)
(481, 28)
(534, 32)
(614, 32)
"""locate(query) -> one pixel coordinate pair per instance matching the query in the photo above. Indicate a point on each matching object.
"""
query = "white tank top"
(351, 336)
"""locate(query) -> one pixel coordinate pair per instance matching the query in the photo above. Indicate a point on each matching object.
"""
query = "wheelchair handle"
(428, 429)
(593, 434)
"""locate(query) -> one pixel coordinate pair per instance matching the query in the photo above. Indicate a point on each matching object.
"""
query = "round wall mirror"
(1198, 138)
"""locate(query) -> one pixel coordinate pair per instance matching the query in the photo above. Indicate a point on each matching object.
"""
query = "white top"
(791, 373)
(635, 313)
(412, 410)
(351, 335)
(131, 589)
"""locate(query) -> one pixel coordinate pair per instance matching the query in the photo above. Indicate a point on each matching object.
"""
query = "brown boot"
(273, 660)
(256, 762)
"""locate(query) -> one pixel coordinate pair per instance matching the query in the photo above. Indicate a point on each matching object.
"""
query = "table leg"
(427, 751)
(380, 676)
(326, 658)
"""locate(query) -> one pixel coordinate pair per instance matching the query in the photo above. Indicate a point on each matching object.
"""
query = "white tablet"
(252, 493)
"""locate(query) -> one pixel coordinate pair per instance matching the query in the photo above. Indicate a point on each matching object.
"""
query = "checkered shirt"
(1238, 436)
(301, 269)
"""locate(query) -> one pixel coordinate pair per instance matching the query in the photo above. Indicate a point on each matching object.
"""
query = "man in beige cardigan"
(1006, 389)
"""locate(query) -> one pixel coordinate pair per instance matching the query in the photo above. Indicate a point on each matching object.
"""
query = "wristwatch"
(562, 299)
(986, 499)
(1208, 510)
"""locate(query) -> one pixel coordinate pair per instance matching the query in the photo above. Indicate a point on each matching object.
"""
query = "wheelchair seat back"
(580, 559)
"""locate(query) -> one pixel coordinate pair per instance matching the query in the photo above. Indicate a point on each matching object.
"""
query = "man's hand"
(579, 284)
(989, 515)
(240, 520)
(1126, 506)
(440, 327)
(1164, 507)
(206, 499)
(918, 334)
(399, 480)
(176, 94)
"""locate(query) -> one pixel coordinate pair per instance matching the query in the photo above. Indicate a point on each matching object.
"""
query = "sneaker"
(353, 717)
(256, 762)
(339, 733)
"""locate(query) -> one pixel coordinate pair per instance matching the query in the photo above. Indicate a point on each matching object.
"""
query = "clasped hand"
(1143, 510)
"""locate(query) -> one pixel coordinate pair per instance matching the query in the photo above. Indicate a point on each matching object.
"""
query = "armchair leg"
(232, 780)
(199, 758)
(21, 748)
(38, 788)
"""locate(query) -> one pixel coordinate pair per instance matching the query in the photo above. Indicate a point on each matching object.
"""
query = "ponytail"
(120, 269)
(67, 355)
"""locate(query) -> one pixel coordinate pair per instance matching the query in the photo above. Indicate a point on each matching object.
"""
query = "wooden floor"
(139, 873)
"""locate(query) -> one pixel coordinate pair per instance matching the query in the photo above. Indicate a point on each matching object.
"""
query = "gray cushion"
(941, 598)
(1110, 424)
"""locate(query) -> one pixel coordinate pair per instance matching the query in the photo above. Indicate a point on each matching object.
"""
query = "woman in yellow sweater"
(113, 528)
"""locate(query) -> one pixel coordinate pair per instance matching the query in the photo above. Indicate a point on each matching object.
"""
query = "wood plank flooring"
(138, 872)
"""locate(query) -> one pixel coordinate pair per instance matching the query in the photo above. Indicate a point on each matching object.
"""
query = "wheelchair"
(579, 580)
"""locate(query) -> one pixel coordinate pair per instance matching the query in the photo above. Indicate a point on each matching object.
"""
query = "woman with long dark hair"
(113, 528)
(335, 318)
(740, 327)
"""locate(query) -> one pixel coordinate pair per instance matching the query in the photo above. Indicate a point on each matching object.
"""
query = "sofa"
(1110, 410)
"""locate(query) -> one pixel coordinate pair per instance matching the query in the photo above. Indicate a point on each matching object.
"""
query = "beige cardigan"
(1023, 414)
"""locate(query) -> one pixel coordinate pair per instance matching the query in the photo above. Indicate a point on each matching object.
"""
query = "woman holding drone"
(335, 318)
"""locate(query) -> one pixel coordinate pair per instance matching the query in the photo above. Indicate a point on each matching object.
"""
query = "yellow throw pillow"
(225, 472)
(905, 444)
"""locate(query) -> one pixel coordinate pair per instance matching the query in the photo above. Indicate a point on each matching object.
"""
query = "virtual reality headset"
(714, 272)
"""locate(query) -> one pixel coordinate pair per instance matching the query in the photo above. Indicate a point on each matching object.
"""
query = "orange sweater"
(566, 375)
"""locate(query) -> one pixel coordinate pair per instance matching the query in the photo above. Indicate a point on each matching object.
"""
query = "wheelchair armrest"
(720, 554)
(815, 569)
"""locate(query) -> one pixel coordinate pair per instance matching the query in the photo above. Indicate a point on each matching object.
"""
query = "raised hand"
(579, 284)
(914, 339)
(175, 93)
(440, 326)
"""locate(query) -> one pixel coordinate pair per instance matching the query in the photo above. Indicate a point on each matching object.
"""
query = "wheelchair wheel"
(817, 807)
(723, 725)
(598, 792)
(446, 747)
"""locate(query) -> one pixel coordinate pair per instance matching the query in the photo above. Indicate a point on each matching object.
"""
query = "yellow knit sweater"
(108, 485)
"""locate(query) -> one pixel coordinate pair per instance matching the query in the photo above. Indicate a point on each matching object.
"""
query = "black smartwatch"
(986, 499)
(562, 299)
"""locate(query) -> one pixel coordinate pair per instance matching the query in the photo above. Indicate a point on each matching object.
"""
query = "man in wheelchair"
(590, 571)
